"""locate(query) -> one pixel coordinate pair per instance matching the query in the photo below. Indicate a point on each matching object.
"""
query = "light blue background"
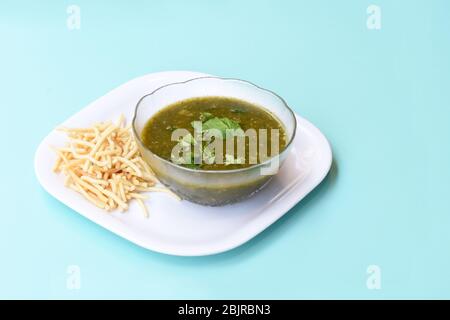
(381, 97)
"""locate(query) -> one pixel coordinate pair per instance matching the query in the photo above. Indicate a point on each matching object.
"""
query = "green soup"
(213, 112)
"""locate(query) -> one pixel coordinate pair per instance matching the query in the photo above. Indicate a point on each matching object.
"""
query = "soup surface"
(219, 113)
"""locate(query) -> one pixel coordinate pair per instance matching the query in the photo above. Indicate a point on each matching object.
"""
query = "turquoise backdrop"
(381, 96)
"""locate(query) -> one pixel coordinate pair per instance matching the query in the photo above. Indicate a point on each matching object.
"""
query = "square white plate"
(180, 227)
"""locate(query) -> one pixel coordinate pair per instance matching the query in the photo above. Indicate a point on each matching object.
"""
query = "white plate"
(180, 227)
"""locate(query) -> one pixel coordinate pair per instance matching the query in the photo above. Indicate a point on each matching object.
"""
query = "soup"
(220, 113)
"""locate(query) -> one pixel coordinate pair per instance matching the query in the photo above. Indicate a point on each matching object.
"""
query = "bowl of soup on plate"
(214, 141)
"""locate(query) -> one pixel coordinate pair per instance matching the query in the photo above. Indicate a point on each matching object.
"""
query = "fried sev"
(103, 163)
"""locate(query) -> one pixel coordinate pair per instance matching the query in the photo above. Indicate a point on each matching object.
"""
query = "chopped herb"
(221, 124)
(236, 110)
(231, 124)
(204, 116)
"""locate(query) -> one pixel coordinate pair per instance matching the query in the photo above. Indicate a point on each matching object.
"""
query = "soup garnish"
(221, 117)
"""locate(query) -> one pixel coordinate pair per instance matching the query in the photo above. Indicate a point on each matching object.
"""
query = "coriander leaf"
(215, 123)
(204, 116)
(231, 124)
(221, 124)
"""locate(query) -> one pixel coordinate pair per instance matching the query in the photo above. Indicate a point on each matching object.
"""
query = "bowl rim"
(286, 148)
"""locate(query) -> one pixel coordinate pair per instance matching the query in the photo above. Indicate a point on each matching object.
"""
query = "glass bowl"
(213, 187)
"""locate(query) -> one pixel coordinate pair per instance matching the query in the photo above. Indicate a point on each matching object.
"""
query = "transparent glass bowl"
(218, 187)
